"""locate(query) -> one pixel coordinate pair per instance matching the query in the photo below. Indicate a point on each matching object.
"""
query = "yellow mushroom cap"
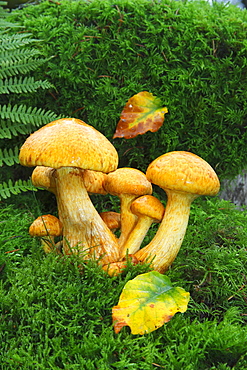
(127, 181)
(184, 172)
(149, 206)
(69, 142)
(46, 225)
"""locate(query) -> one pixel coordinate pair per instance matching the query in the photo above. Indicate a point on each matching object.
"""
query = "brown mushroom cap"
(183, 171)
(46, 225)
(69, 142)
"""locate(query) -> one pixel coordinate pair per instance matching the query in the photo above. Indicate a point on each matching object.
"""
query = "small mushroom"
(116, 268)
(112, 220)
(47, 227)
(93, 181)
(127, 184)
(148, 209)
(184, 176)
(71, 146)
(43, 177)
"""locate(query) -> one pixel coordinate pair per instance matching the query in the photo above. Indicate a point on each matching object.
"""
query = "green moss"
(190, 54)
(52, 316)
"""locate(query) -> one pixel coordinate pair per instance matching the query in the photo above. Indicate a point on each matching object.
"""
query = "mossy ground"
(52, 316)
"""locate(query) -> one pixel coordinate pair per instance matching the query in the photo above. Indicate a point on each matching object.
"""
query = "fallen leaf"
(143, 112)
(147, 302)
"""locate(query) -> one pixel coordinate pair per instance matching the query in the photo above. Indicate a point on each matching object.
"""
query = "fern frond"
(8, 129)
(5, 24)
(18, 57)
(22, 85)
(18, 54)
(12, 188)
(9, 156)
(12, 67)
(3, 12)
(24, 115)
(12, 42)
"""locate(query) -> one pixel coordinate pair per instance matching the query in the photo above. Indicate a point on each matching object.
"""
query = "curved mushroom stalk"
(148, 209)
(128, 219)
(128, 184)
(48, 244)
(165, 245)
(83, 229)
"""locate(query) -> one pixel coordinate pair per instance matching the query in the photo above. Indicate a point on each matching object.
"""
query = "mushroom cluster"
(73, 160)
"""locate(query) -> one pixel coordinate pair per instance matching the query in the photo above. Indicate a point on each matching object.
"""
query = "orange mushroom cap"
(69, 142)
(148, 206)
(148, 209)
(46, 225)
(93, 181)
(184, 172)
(127, 180)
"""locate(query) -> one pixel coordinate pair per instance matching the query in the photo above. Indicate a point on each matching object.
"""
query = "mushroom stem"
(84, 231)
(148, 209)
(165, 245)
(48, 244)
(137, 235)
(128, 219)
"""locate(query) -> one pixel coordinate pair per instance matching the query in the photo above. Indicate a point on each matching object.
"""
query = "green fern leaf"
(12, 67)
(8, 129)
(18, 57)
(22, 85)
(3, 12)
(15, 41)
(5, 24)
(9, 156)
(6, 132)
(12, 188)
(21, 114)
(18, 54)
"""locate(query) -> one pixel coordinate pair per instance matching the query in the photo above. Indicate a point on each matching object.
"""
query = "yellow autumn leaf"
(147, 302)
(143, 112)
